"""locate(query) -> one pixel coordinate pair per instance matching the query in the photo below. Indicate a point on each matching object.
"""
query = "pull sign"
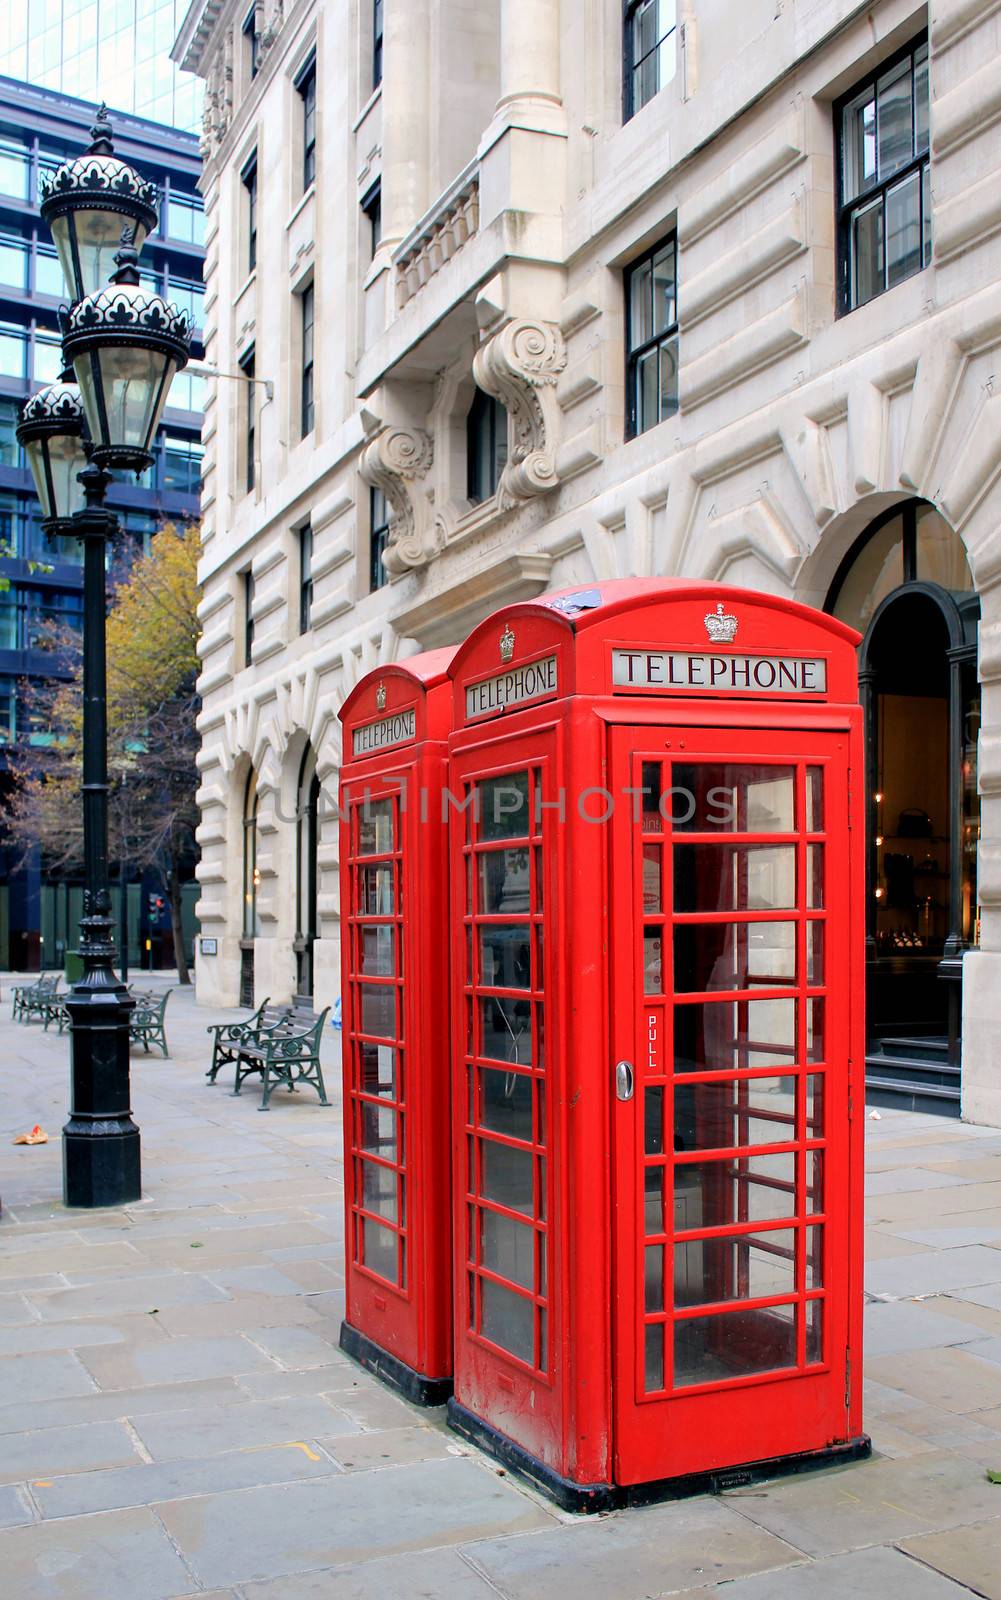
(623, 1080)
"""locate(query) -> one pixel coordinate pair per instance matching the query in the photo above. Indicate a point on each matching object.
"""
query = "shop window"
(884, 224)
(911, 544)
(649, 52)
(305, 578)
(378, 538)
(306, 86)
(486, 447)
(248, 177)
(652, 338)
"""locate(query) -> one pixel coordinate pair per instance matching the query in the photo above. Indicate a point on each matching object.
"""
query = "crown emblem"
(507, 645)
(721, 625)
(380, 697)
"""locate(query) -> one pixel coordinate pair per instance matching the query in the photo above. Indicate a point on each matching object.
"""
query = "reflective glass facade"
(118, 50)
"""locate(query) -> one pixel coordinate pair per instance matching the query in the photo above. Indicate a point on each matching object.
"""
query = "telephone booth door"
(730, 935)
(395, 1035)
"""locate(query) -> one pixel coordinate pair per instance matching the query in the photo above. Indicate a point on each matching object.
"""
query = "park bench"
(288, 1054)
(227, 1037)
(146, 1024)
(30, 999)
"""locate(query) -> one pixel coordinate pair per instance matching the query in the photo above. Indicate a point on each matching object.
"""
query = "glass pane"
(727, 798)
(815, 877)
(877, 570)
(668, 378)
(815, 1257)
(508, 1248)
(653, 965)
(651, 879)
(379, 1249)
(814, 799)
(859, 144)
(867, 253)
(378, 951)
(664, 287)
(921, 100)
(375, 828)
(726, 1035)
(727, 1116)
(711, 877)
(378, 1130)
(814, 1030)
(653, 1199)
(653, 1274)
(815, 1330)
(647, 390)
(941, 557)
(504, 881)
(894, 120)
(903, 230)
(506, 1029)
(13, 262)
(745, 1189)
(653, 1121)
(503, 806)
(508, 1319)
(505, 956)
(733, 1344)
(815, 953)
(379, 1190)
(506, 1103)
(926, 216)
(815, 1106)
(654, 1357)
(379, 1071)
(735, 1267)
(378, 1009)
(507, 1176)
(375, 891)
(640, 306)
(728, 955)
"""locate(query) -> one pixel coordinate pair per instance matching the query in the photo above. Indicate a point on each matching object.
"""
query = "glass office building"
(38, 130)
(112, 50)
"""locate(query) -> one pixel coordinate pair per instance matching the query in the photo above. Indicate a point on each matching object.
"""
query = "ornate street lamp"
(88, 203)
(53, 432)
(125, 346)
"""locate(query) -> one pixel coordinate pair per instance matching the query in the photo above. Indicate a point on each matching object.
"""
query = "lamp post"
(124, 346)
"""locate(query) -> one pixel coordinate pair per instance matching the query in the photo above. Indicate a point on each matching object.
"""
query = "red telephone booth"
(393, 873)
(657, 998)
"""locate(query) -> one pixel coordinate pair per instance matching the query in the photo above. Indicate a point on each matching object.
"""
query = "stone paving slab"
(111, 1557)
(183, 1422)
(233, 1538)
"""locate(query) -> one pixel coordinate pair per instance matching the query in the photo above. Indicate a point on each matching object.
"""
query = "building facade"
(521, 294)
(38, 131)
(115, 50)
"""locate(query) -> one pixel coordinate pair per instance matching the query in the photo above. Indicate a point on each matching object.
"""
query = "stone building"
(518, 294)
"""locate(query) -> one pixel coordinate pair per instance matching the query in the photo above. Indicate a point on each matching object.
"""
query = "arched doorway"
(306, 839)
(906, 585)
(250, 926)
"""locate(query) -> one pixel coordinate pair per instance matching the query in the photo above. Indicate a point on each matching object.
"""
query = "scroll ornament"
(396, 462)
(520, 366)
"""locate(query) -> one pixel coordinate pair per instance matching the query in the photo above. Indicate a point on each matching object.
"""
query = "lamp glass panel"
(132, 390)
(66, 460)
(99, 238)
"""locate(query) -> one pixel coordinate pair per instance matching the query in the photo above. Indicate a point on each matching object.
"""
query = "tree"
(152, 637)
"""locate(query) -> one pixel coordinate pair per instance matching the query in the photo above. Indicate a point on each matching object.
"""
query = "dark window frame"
(377, 43)
(847, 209)
(248, 177)
(305, 85)
(305, 577)
(379, 513)
(635, 353)
(250, 34)
(371, 205)
(248, 617)
(485, 413)
(630, 103)
(248, 365)
(307, 406)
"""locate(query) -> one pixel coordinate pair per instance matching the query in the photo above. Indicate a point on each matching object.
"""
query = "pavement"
(176, 1418)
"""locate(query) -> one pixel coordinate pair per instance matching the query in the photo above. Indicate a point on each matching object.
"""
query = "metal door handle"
(623, 1080)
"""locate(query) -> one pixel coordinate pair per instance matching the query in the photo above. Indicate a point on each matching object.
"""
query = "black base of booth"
(595, 1497)
(413, 1386)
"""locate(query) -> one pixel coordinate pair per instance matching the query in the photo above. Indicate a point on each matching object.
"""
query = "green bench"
(146, 1024)
(31, 999)
(288, 1054)
(227, 1037)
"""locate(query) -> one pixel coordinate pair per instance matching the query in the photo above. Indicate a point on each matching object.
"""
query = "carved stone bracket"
(397, 461)
(519, 366)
